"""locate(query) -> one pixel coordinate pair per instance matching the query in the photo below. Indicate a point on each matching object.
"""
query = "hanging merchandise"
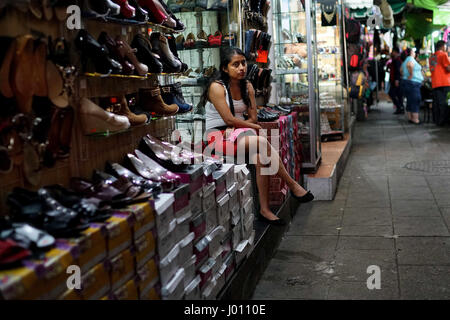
(328, 9)
(353, 30)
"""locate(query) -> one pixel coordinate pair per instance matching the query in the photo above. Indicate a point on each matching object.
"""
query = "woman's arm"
(217, 97)
(252, 113)
(410, 66)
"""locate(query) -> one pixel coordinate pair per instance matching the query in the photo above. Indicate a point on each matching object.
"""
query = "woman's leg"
(416, 104)
(262, 178)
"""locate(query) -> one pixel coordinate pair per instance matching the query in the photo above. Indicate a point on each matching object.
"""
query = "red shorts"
(222, 146)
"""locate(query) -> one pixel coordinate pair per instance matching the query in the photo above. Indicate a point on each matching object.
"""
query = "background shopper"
(411, 82)
(440, 82)
(229, 95)
(394, 91)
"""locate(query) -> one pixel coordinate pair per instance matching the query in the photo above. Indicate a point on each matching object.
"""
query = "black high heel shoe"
(278, 222)
(306, 198)
(97, 53)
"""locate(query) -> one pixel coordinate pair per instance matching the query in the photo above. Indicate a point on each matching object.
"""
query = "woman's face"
(413, 53)
(237, 68)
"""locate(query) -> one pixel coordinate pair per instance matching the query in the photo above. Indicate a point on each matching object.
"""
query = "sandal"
(29, 237)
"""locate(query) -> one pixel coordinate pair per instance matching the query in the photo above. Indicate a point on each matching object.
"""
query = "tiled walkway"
(384, 214)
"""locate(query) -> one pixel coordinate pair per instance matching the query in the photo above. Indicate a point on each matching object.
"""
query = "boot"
(169, 97)
(176, 90)
(150, 100)
(124, 110)
(161, 48)
(144, 53)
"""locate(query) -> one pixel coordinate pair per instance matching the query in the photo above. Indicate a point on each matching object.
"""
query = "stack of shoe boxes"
(243, 232)
(283, 134)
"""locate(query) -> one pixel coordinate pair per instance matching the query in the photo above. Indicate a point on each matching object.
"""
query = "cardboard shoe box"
(195, 201)
(208, 196)
(166, 243)
(120, 268)
(181, 195)
(128, 291)
(247, 226)
(223, 209)
(168, 265)
(144, 248)
(234, 201)
(144, 218)
(211, 219)
(198, 226)
(184, 224)
(226, 170)
(220, 180)
(95, 283)
(174, 289)
(245, 193)
(147, 276)
(91, 246)
(192, 289)
(164, 214)
(189, 269)
(247, 209)
(186, 246)
(118, 233)
(193, 176)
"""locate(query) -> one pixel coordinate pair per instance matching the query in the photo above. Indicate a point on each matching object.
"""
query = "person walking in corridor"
(394, 91)
(412, 78)
(440, 82)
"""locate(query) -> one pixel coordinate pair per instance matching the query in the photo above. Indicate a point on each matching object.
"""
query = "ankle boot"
(125, 9)
(124, 110)
(150, 100)
(141, 14)
(169, 97)
(157, 14)
(113, 48)
(144, 53)
(161, 47)
(176, 90)
(179, 25)
(126, 51)
(97, 53)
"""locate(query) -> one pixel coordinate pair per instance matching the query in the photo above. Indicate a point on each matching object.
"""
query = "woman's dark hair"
(405, 54)
(226, 55)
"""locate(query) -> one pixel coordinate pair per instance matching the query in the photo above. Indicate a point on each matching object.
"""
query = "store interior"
(102, 133)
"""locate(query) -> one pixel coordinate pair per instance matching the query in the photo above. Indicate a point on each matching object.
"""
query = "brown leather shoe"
(150, 100)
(124, 110)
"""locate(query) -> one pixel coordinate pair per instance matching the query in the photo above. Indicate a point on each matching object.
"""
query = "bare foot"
(268, 214)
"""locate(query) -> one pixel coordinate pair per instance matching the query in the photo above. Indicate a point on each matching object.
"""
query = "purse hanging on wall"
(328, 14)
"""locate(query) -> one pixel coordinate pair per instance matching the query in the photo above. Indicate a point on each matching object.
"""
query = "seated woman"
(228, 97)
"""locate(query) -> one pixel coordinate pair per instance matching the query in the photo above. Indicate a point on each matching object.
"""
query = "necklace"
(329, 16)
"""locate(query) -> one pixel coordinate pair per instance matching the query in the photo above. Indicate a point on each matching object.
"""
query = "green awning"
(419, 25)
(361, 13)
(441, 17)
(427, 4)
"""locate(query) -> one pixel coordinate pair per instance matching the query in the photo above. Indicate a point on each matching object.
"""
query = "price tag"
(124, 31)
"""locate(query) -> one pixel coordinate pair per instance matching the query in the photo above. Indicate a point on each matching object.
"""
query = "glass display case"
(330, 56)
(297, 71)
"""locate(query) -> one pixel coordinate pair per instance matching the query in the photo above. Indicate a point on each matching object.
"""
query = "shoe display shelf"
(200, 56)
(296, 72)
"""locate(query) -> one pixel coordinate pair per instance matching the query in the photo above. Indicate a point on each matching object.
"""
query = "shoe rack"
(86, 152)
(257, 15)
(203, 19)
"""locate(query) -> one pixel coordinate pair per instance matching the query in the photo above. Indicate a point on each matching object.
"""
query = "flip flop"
(28, 237)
